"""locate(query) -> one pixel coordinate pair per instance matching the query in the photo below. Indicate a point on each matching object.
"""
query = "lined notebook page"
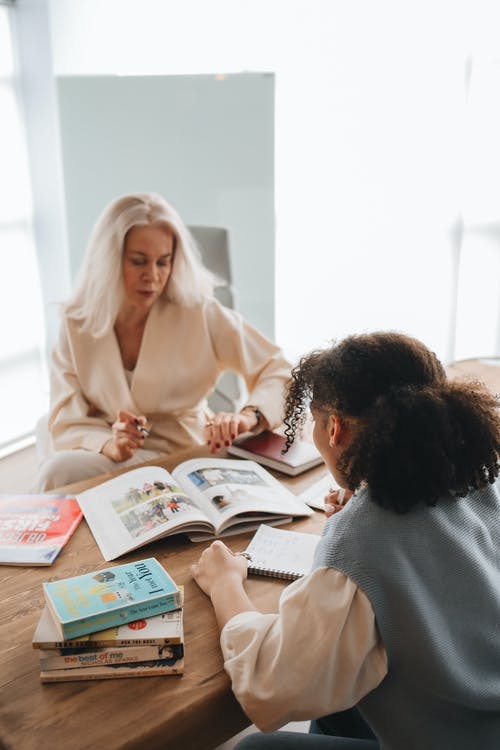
(280, 553)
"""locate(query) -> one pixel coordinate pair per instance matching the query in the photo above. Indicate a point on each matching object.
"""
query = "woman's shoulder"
(215, 311)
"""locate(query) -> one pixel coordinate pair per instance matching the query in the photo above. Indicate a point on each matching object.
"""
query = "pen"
(246, 555)
(341, 498)
(141, 428)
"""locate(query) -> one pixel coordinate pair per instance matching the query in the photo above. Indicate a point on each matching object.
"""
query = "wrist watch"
(258, 415)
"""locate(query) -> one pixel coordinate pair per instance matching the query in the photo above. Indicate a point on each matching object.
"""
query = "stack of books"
(123, 621)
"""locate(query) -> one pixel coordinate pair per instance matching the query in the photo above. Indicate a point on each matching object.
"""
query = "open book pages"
(314, 496)
(281, 553)
(202, 497)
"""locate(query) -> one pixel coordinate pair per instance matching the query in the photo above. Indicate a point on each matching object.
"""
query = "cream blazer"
(183, 352)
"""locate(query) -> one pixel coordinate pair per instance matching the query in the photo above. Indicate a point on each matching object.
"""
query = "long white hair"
(98, 294)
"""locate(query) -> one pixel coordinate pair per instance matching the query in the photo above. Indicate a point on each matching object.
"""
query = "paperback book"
(35, 528)
(203, 498)
(171, 665)
(108, 597)
(75, 658)
(160, 630)
(267, 448)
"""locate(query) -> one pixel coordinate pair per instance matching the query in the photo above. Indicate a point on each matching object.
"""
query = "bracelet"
(258, 415)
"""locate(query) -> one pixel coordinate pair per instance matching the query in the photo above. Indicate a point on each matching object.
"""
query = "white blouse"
(319, 654)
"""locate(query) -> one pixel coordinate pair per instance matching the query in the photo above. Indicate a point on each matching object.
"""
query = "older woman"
(142, 344)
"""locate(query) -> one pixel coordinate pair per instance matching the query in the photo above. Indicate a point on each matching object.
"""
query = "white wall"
(369, 141)
(204, 142)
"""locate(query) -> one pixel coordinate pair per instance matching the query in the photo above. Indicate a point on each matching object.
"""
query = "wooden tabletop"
(191, 711)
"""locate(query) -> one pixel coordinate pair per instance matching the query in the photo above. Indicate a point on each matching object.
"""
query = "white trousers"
(58, 468)
(66, 467)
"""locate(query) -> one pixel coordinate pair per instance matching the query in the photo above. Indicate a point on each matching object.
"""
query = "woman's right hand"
(335, 500)
(127, 438)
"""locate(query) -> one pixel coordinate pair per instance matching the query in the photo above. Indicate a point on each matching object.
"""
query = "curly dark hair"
(418, 436)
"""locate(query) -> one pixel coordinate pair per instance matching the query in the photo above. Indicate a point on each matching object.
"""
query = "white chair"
(213, 244)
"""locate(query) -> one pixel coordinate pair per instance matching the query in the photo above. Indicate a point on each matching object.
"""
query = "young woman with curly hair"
(393, 638)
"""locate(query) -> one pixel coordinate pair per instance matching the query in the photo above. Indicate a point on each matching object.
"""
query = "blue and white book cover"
(122, 590)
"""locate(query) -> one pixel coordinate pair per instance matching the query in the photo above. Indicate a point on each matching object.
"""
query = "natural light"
(386, 124)
(22, 381)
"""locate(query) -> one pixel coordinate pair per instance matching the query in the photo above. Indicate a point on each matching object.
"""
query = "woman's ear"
(336, 430)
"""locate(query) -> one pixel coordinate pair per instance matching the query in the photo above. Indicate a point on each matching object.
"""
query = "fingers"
(221, 430)
(332, 508)
(117, 450)
(214, 563)
(335, 500)
(130, 428)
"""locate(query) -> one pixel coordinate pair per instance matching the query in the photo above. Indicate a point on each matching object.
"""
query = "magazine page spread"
(235, 492)
(202, 497)
(135, 508)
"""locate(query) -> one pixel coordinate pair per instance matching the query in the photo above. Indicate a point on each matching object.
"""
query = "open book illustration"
(203, 498)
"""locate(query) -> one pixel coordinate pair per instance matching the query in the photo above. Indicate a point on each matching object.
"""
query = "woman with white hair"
(142, 344)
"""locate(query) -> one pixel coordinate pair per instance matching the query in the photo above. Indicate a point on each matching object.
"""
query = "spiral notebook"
(280, 553)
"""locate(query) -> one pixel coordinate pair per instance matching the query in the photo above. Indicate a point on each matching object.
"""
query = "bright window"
(22, 377)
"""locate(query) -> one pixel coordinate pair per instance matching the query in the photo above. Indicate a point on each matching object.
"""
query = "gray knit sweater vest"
(433, 579)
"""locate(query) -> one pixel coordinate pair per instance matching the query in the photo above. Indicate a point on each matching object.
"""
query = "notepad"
(280, 553)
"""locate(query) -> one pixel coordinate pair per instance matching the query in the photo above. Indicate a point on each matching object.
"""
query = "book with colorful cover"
(202, 497)
(111, 596)
(34, 528)
(159, 630)
(266, 448)
(77, 658)
(171, 665)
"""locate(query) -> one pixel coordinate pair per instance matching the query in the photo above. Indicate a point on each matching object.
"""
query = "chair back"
(213, 244)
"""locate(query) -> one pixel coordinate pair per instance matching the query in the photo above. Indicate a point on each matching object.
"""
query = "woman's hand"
(221, 430)
(218, 566)
(335, 500)
(127, 436)
(220, 574)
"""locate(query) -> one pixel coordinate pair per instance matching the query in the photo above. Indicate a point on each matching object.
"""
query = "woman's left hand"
(221, 430)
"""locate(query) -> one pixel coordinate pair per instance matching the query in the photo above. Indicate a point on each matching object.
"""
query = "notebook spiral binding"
(274, 573)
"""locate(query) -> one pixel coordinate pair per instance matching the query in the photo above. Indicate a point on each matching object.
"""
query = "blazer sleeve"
(72, 423)
(242, 348)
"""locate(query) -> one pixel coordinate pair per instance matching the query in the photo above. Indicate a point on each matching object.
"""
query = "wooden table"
(196, 710)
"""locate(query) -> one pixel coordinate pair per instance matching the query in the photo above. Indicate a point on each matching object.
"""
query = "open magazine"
(203, 498)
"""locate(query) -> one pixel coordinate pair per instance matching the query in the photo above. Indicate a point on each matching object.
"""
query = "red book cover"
(34, 528)
(266, 448)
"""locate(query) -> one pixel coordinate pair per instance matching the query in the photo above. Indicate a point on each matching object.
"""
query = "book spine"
(127, 613)
(118, 643)
(70, 675)
(99, 658)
